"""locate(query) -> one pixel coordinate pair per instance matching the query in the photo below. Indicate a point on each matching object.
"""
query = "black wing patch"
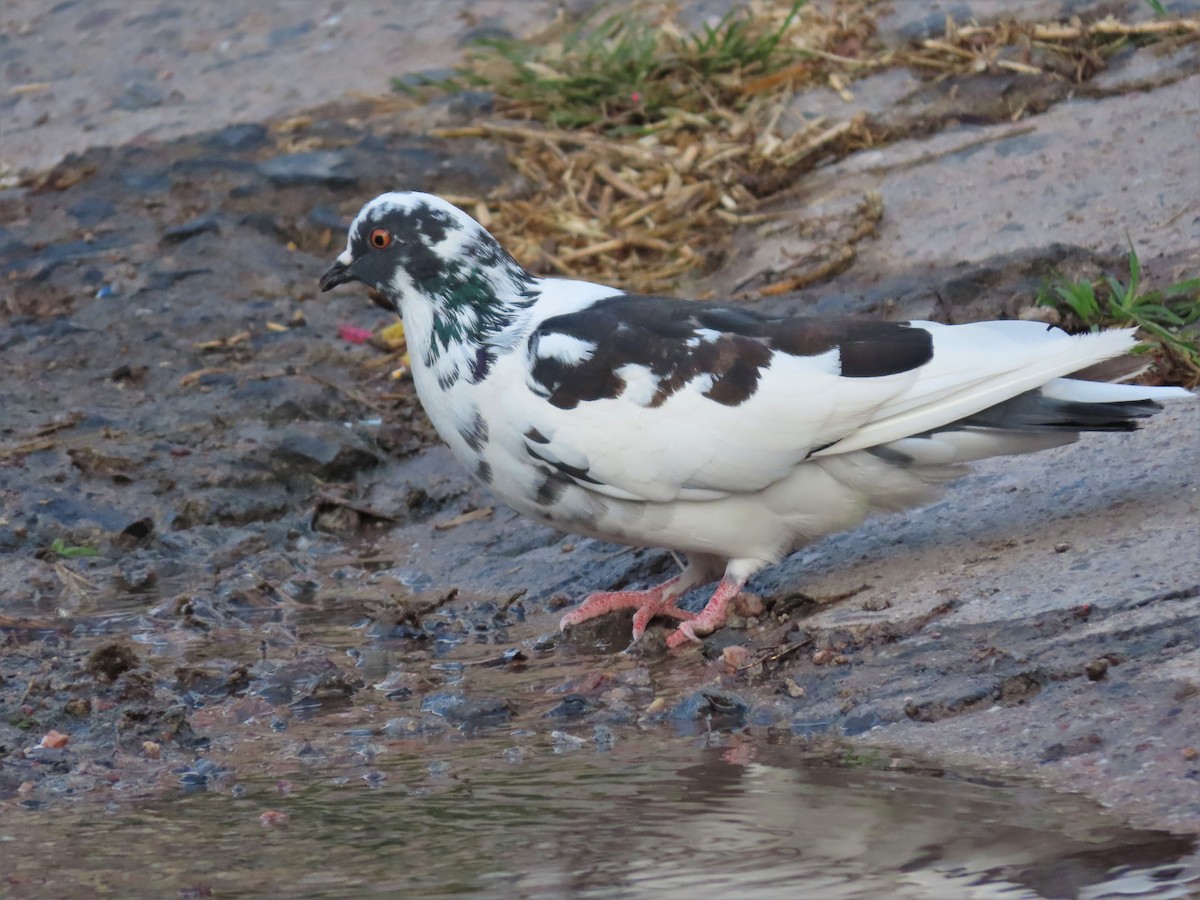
(679, 340)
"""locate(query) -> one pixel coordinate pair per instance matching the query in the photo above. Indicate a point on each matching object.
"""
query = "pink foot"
(656, 601)
(710, 619)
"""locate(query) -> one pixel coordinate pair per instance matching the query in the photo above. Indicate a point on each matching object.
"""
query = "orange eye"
(379, 238)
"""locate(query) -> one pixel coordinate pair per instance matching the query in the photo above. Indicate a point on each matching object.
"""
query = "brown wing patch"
(677, 341)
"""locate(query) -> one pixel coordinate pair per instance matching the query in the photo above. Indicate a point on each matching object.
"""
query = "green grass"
(60, 548)
(1169, 317)
(624, 71)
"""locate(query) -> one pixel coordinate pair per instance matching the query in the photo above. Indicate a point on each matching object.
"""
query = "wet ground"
(635, 814)
(239, 574)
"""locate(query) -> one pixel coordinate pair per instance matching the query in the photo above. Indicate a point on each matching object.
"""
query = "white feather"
(969, 373)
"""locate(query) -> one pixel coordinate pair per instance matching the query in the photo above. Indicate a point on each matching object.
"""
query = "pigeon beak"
(338, 273)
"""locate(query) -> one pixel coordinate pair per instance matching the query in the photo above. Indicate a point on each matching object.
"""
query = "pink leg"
(711, 617)
(656, 601)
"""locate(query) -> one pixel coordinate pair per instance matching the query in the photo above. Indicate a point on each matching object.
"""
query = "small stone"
(190, 229)
(747, 604)
(718, 708)
(735, 656)
(821, 657)
(1096, 669)
(244, 136)
(1190, 753)
(77, 706)
(151, 750)
(469, 711)
(572, 706)
(1061, 548)
(794, 689)
(876, 604)
(565, 743)
(603, 737)
(315, 168)
(55, 740)
(329, 453)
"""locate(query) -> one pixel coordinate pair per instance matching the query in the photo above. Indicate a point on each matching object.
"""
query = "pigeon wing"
(654, 399)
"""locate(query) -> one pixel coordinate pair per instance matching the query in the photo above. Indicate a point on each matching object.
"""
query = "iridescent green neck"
(467, 307)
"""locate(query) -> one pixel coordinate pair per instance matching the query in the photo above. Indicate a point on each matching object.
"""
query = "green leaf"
(1191, 286)
(59, 547)
(1135, 272)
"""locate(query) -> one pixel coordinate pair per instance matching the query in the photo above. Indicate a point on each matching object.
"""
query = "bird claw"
(684, 634)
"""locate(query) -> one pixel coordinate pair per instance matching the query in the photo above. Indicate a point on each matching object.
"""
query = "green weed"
(60, 548)
(626, 71)
(1168, 318)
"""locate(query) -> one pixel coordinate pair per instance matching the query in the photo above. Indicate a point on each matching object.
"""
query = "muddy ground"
(217, 512)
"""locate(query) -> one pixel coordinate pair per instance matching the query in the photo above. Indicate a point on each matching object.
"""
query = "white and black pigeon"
(731, 437)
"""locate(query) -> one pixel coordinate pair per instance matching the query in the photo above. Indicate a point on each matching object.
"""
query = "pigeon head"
(432, 261)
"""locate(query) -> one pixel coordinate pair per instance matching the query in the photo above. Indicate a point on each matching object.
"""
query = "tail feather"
(1034, 411)
(1049, 416)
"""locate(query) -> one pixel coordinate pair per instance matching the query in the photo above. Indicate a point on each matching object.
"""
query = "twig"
(360, 508)
(776, 655)
(606, 174)
(1112, 27)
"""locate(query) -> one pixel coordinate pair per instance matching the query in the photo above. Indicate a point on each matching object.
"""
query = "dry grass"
(648, 180)
(643, 148)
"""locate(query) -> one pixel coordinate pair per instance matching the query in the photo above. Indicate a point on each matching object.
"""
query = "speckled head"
(404, 242)
(431, 260)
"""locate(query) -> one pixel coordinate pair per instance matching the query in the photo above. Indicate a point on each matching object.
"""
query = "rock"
(573, 706)
(326, 451)
(318, 167)
(719, 709)
(191, 228)
(1096, 669)
(468, 711)
(322, 216)
(242, 136)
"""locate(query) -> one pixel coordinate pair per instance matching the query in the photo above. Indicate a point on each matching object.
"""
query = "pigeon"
(726, 436)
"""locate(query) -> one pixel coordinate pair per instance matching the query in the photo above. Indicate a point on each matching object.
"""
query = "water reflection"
(687, 820)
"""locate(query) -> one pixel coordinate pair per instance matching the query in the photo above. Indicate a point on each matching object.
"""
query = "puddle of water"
(653, 816)
(383, 796)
